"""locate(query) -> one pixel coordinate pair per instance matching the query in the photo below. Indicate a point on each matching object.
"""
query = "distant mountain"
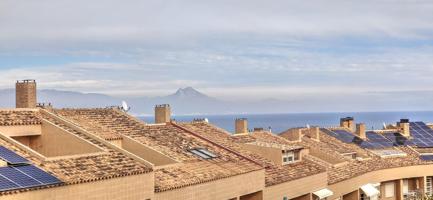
(183, 101)
(188, 92)
(190, 101)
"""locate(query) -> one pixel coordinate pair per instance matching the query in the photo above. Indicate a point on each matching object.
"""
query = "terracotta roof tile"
(171, 141)
(15, 118)
(275, 174)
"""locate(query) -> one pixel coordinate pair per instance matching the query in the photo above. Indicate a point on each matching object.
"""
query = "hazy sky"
(225, 48)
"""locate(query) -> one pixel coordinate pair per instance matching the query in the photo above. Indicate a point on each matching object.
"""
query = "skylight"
(203, 153)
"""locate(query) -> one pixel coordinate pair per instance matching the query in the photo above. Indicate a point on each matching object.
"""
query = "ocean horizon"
(281, 122)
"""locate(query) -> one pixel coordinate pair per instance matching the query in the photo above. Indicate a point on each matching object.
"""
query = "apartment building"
(105, 153)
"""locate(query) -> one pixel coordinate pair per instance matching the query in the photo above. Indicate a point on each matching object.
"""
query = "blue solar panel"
(18, 178)
(422, 134)
(378, 140)
(25, 176)
(11, 157)
(38, 174)
(345, 136)
(426, 157)
(398, 140)
(6, 184)
(374, 140)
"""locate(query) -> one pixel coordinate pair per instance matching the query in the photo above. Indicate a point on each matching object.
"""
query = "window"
(288, 157)
(203, 153)
(405, 186)
(389, 189)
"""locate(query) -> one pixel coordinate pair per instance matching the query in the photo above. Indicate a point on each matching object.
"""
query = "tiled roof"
(15, 118)
(356, 168)
(86, 168)
(353, 167)
(105, 128)
(94, 167)
(275, 174)
(171, 141)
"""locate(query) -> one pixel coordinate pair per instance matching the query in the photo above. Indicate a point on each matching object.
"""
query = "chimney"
(360, 131)
(241, 126)
(25, 94)
(347, 122)
(404, 127)
(313, 133)
(162, 113)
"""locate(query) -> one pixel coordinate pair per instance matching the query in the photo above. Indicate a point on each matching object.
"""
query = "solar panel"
(38, 174)
(11, 157)
(426, 157)
(374, 140)
(6, 184)
(26, 176)
(378, 140)
(422, 134)
(345, 136)
(397, 139)
(18, 178)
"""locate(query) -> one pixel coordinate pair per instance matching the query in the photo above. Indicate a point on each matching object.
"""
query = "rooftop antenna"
(125, 106)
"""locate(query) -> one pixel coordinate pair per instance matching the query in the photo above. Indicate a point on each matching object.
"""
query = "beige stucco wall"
(226, 188)
(137, 187)
(273, 154)
(296, 187)
(55, 141)
(317, 152)
(26, 130)
(379, 176)
(145, 152)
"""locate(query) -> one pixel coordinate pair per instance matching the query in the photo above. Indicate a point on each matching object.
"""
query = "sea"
(281, 122)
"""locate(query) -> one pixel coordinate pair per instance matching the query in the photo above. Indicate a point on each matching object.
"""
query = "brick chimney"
(347, 122)
(404, 127)
(241, 126)
(360, 131)
(162, 113)
(25, 94)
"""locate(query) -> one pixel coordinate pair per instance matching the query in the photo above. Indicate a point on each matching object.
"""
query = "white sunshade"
(370, 190)
(323, 193)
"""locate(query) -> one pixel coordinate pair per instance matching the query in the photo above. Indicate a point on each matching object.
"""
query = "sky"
(231, 49)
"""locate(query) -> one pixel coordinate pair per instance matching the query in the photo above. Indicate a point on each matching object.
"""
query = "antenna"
(125, 106)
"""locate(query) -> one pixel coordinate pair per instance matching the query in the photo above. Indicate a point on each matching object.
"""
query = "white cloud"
(69, 22)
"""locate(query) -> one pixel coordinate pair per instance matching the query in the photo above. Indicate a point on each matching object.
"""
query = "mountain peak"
(188, 92)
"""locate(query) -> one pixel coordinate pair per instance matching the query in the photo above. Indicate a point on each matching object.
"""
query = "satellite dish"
(125, 106)
(384, 125)
(206, 120)
(308, 126)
